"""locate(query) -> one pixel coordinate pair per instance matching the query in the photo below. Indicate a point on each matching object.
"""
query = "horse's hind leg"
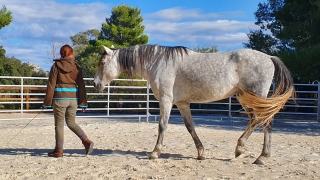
(244, 137)
(187, 118)
(266, 150)
(254, 124)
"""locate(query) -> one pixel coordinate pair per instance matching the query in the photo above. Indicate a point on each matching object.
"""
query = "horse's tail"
(283, 79)
(263, 109)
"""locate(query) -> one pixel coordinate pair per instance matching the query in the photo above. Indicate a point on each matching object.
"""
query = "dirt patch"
(122, 147)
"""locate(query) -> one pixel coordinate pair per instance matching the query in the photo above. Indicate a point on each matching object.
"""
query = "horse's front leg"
(184, 109)
(165, 109)
(266, 150)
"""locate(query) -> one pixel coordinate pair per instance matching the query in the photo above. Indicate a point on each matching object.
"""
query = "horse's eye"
(102, 63)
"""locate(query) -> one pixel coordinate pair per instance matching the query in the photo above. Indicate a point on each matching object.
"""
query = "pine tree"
(124, 27)
(5, 17)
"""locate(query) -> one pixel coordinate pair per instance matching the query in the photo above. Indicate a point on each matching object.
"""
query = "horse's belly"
(205, 95)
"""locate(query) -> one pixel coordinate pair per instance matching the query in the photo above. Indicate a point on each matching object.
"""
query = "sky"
(37, 23)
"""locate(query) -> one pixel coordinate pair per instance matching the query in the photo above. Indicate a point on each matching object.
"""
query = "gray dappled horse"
(178, 75)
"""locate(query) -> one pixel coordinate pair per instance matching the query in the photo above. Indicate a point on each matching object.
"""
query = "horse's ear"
(108, 51)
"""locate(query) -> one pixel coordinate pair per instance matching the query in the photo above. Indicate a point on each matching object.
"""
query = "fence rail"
(136, 100)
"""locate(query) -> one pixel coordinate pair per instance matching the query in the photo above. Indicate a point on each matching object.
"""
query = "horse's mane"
(148, 53)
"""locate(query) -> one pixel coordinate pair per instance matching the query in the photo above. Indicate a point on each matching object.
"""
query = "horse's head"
(108, 69)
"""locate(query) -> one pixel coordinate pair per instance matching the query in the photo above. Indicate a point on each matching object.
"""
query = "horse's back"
(255, 70)
(204, 77)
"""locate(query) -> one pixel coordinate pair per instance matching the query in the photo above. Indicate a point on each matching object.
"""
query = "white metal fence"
(138, 101)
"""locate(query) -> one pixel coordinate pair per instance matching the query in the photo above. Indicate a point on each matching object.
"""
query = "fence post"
(27, 98)
(108, 104)
(21, 96)
(318, 99)
(229, 113)
(318, 108)
(148, 93)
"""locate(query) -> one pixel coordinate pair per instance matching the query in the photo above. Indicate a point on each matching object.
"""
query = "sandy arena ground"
(122, 147)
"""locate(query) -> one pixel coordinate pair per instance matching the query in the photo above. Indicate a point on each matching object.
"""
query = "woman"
(65, 91)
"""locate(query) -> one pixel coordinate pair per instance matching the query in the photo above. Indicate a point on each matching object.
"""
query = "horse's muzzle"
(97, 86)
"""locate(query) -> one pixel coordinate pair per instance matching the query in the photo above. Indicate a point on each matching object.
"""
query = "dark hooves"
(201, 158)
(258, 162)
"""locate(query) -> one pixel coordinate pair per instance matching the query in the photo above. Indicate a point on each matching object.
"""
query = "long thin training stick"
(23, 127)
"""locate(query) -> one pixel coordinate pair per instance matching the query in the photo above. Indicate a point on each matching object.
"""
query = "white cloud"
(36, 22)
(41, 19)
(192, 27)
(196, 27)
(178, 14)
(223, 33)
(226, 41)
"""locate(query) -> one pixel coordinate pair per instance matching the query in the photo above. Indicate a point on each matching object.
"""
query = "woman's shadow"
(77, 152)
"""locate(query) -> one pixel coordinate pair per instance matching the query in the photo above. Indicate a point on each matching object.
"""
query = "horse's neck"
(142, 70)
(146, 68)
(152, 69)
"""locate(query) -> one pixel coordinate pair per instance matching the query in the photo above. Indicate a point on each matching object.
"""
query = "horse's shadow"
(96, 152)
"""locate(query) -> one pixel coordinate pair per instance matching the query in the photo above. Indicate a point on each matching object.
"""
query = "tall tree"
(124, 27)
(262, 41)
(82, 39)
(5, 20)
(304, 64)
(285, 25)
(300, 23)
(5, 17)
(290, 29)
(2, 52)
(53, 52)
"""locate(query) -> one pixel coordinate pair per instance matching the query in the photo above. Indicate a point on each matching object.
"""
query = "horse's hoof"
(238, 153)
(258, 162)
(153, 155)
(201, 158)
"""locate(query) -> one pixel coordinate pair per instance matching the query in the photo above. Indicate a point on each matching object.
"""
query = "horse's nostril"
(97, 86)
